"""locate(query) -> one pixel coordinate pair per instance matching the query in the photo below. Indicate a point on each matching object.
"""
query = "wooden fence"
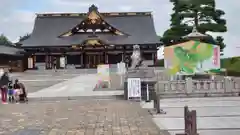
(190, 122)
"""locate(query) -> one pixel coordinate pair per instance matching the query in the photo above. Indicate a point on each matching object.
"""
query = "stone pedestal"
(147, 77)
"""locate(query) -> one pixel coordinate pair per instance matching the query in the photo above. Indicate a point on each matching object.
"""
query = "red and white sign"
(216, 55)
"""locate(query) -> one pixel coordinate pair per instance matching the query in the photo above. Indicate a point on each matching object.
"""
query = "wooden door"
(48, 62)
(93, 60)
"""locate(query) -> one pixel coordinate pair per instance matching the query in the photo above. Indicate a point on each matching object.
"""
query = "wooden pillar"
(34, 61)
(154, 57)
(46, 61)
(104, 55)
(24, 62)
(106, 58)
(81, 59)
(123, 54)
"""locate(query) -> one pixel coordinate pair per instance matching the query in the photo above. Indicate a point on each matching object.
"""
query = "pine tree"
(4, 40)
(201, 13)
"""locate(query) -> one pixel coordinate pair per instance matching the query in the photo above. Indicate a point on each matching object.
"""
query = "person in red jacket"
(4, 80)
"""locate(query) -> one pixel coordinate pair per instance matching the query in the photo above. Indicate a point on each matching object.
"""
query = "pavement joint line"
(44, 80)
(75, 98)
(199, 116)
(199, 129)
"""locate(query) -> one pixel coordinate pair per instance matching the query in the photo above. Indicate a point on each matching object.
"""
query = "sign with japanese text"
(134, 88)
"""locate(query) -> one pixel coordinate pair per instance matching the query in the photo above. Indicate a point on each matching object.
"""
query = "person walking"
(4, 80)
(55, 64)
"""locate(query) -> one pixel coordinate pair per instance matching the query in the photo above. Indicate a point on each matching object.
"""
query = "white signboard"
(103, 70)
(62, 62)
(134, 88)
(121, 67)
(104, 73)
(30, 63)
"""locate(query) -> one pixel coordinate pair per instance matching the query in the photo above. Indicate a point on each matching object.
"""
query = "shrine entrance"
(93, 60)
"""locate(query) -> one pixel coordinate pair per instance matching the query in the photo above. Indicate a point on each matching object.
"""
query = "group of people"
(12, 92)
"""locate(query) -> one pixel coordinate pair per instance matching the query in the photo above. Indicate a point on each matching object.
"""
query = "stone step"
(108, 97)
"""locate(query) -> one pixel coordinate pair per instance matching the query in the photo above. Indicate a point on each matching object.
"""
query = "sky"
(17, 16)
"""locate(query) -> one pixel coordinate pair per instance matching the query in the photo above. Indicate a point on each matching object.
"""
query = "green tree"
(201, 13)
(4, 40)
(219, 41)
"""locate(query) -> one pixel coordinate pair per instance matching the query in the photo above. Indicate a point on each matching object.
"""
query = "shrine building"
(86, 40)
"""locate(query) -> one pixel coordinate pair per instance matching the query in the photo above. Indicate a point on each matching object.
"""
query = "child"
(10, 93)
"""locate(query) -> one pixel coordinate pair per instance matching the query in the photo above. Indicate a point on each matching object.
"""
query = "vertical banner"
(121, 68)
(30, 62)
(134, 88)
(216, 56)
(104, 73)
(62, 62)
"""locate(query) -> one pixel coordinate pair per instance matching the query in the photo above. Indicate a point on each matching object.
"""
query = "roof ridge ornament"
(93, 18)
(195, 34)
(93, 8)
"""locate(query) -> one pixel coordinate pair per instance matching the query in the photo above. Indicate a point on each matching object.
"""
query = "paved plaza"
(79, 117)
(37, 80)
(84, 116)
(215, 116)
(79, 86)
(89, 116)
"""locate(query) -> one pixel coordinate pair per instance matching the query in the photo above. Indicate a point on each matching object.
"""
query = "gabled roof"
(139, 29)
(9, 50)
(93, 18)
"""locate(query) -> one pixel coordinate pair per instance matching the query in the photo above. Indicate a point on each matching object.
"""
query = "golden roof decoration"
(118, 33)
(93, 17)
(67, 34)
(93, 42)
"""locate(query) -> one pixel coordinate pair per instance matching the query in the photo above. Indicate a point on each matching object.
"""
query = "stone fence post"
(189, 85)
(228, 84)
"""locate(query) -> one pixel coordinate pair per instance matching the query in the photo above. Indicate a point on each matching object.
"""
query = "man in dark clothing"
(55, 64)
(4, 86)
(127, 62)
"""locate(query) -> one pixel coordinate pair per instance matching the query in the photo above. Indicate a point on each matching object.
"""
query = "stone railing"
(197, 88)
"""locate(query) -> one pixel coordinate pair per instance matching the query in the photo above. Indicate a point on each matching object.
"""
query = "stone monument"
(138, 70)
(136, 57)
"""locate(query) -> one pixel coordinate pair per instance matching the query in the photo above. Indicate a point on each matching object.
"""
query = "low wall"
(197, 88)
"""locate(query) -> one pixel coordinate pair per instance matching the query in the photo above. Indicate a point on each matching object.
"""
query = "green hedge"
(159, 63)
(232, 65)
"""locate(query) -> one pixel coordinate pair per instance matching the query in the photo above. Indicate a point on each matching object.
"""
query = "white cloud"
(71, 3)
(125, 8)
(15, 22)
